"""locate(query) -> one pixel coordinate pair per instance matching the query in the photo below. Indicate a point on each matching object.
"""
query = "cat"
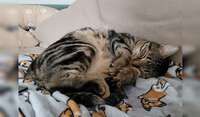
(93, 66)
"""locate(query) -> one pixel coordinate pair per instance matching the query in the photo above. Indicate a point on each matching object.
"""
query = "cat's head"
(152, 58)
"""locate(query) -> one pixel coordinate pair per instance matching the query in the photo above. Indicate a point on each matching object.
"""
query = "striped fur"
(85, 60)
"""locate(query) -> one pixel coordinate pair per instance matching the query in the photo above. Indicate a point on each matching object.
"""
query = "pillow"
(18, 22)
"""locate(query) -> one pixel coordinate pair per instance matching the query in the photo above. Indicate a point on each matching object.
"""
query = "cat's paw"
(105, 92)
(124, 106)
(104, 89)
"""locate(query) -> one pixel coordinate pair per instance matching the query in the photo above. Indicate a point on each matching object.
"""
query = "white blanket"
(154, 97)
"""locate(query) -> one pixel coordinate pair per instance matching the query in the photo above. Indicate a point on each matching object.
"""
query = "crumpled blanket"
(151, 98)
(8, 100)
(154, 97)
(34, 103)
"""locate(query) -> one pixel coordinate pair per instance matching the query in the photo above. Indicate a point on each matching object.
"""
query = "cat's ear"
(168, 50)
(111, 33)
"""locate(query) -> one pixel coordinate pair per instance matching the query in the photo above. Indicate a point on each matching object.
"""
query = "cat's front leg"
(127, 75)
(118, 62)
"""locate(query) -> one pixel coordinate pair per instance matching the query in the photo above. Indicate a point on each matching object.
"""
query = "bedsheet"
(154, 97)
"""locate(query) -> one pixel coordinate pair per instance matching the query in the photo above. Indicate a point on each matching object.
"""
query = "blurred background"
(19, 22)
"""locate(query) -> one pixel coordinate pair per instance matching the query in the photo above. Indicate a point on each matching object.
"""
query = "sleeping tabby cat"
(92, 66)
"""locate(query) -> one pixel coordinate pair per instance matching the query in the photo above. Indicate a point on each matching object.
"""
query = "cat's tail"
(88, 99)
